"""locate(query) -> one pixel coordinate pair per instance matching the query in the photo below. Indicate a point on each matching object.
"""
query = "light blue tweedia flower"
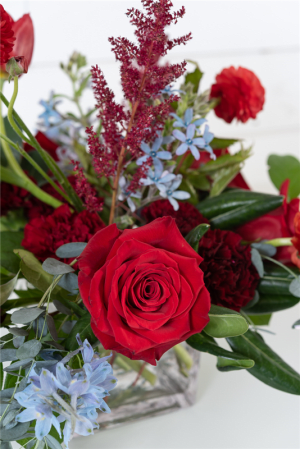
(188, 118)
(153, 152)
(208, 137)
(127, 194)
(158, 176)
(170, 91)
(189, 142)
(74, 394)
(50, 115)
(169, 191)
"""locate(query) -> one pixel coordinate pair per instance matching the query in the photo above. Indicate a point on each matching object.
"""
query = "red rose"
(43, 235)
(241, 94)
(7, 36)
(238, 182)
(295, 256)
(12, 197)
(47, 145)
(229, 274)
(187, 217)
(143, 288)
(277, 224)
(24, 38)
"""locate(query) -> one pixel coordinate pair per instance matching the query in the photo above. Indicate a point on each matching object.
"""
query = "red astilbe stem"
(142, 80)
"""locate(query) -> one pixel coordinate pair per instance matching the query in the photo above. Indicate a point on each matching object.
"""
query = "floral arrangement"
(133, 231)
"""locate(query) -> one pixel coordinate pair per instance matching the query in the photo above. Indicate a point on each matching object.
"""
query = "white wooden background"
(234, 410)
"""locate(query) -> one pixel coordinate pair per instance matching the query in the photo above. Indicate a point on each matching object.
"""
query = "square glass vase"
(144, 390)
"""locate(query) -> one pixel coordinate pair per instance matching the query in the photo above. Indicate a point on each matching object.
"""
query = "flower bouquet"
(130, 242)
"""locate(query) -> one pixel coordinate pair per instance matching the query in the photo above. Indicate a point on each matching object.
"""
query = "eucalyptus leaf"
(16, 433)
(294, 287)
(70, 250)
(257, 262)
(68, 326)
(40, 327)
(70, 283)
(7, 289)
(55, 267)
(5, 445)
(296, 325)
(18, 341)
(29, 349)
(83, 327)
(10, 416)
(18, 331)
(17, 365)
(24, 316)
(196, 234)
(8, 355)
(269, 367)
(62, 308)
(265, 249)
(225, 323)
(51, 327)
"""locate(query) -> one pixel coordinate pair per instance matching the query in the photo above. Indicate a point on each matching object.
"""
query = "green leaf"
(273, 303)
(53, 443)
(17, 365)
(222, 178)
(195, 77)
(7, 289)
(296, 325)
(196, 234)
(18, 331)
(29, 349)
(271, 285)
(218, 143)
(70, 283)
(225, 161)
(10, 240)
(55, 267)
(269, 367)
(83, 85)
(8, 355)
(265, 249)
(83, 327)
(198, 181)
(15, 433)
(251, 303)
(1, 376)
(225, 323)
(33, 271)
(257, 262)
(73, 249)
(229, 360)
(282, 168)
(260, 320)
(294, 287)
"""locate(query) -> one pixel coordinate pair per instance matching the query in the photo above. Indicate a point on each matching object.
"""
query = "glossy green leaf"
(55, 267)
(219, 143)
(273, 303)
(225, 323)
(10, 240)
(251, 303)
(282, 168)
(269, 285)
(257, 262)
(229, 360)
(83, 327)
(260, 320)
(196, 234)
(269, 367)
(29, 349)
(7, 288)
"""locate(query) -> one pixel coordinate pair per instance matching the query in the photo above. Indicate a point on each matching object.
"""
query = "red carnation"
(241, 94)
(12, 197)
(43, 235)
(187, 217)
(229, 274)
(7, 36)
(23, 41)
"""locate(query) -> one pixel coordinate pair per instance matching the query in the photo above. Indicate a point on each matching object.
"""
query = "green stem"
(36, 166)
(57, 172)
(280, 264)
(13, 395)
(280, 242)
(136, 366)
(184, 356)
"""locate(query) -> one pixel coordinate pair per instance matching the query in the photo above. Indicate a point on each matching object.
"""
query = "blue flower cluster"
(75, 396)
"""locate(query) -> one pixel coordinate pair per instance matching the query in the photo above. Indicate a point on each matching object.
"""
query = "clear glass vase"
(150, 390)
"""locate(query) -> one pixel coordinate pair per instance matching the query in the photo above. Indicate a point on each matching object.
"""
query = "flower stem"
(280, 242)
(184, 356)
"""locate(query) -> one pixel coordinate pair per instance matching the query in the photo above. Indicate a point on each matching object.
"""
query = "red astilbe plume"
(141, 172)
(85, 191)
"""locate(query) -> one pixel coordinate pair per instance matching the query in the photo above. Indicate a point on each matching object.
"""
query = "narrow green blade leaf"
(218, 143)
(225, 323)
(269, 367)
(194, 77)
